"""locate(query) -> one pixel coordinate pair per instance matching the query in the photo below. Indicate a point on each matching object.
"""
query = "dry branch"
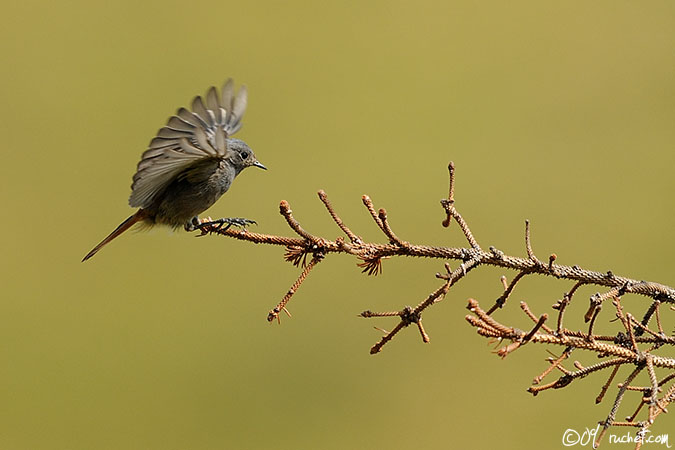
(635, 344)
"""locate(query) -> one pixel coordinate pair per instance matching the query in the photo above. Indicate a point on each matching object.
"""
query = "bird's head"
(242, 155)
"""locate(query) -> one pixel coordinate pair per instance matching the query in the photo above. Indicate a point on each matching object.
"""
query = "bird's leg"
(225, 222)
(196, 223)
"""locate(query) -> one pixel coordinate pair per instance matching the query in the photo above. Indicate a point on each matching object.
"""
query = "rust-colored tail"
(124, 226)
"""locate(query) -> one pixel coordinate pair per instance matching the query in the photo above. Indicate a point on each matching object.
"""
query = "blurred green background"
(561, 113)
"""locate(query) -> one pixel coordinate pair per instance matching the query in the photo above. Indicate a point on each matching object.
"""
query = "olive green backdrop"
(558, 112)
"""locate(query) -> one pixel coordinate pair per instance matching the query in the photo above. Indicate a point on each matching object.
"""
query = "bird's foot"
(224, 223)
(196, 223)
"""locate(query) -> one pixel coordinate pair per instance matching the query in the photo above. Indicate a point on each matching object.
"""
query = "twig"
(408, 315)
(554, 364)
(562, 304)
(286, 211)
(529, 314)
(612, 414)
(451, 194)
(368, 203)
(605, 386)
(382, 214)
(274, 313)
(499, 303)
(633, 346)
(324, 198)
(528, 245)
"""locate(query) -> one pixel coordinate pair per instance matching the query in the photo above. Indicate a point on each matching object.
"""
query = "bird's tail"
(124, 226)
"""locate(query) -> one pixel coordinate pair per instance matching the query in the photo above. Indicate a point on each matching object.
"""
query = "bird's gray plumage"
(190, 163)
(187, 138)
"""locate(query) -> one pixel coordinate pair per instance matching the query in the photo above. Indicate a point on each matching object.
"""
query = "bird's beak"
(259, 164)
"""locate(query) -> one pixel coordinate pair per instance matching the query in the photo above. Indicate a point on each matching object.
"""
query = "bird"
(189, 164)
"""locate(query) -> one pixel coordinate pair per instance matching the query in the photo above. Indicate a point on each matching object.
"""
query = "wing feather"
(228, 94)
(212, 101)
(220, 138)
(177, 123)
(240, 102)
(158, 142)
(199, 109)
(189, 136)
(190, 118)
(238, 108)
(202, 141)
(170, 133)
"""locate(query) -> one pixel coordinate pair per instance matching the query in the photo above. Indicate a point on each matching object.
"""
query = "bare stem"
(633, 345)
(274, 313)
(324, 198)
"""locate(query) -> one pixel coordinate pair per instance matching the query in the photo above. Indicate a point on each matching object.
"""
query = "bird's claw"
(196, 223)
(225, 223)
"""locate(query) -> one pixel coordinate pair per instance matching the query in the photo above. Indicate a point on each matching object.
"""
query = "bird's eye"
(244, 155)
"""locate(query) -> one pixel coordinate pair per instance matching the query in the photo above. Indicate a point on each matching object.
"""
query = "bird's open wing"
(188, 137)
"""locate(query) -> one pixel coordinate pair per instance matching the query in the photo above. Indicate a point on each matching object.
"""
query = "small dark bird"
(189, 164)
